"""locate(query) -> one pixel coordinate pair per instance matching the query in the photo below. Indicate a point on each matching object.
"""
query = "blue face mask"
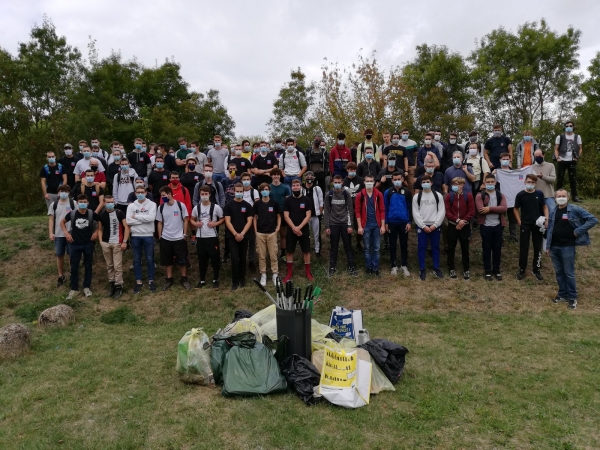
(497, 134)
(397, 183)
(266, 193)
(160, 165)
(140, 196)
(405, 137)
(82, 205)
(505, 162)
(257, 150)
(165, 199)
(369, 156)
(51, 160)
(351, 174)
(87, 155)
(490, 187)
(138, 146)
(526, 138)
(239, 195)
(426, 186)
(455, 188)
(429, 169)
(246, 183)
(109, 206)
(569, 129)
(124, 168)
(456, 161)
(341, 142)
(337, 185)
(183, 147)
(95, 154)
(117, 158)
(64, 195)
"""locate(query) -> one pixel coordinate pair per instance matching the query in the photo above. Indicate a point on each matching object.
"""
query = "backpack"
(210, 215)
(316, 157)
(55, 206)
(498, 197)
(437, 199)
(361, 148)
(330, 197)
(90, 216)
(47, 169)
(283, 160)
(162, 207)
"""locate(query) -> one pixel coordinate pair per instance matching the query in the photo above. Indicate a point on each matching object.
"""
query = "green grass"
(491, 365)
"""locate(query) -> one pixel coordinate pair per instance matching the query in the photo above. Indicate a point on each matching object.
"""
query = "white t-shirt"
(205, 231)
(124, 187)
(570, 146)
(84, 164)
(172, 220)
(248, 196)
(113, 237)
(512, 182)
(62, 209)
(294, 162)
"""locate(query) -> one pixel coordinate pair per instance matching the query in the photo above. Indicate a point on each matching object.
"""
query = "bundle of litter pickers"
(281, 348)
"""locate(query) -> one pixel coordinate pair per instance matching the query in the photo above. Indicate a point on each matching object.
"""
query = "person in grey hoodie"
(338, 223)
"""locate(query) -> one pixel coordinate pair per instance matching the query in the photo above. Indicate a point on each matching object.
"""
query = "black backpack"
(210, 215)
(330, 197)
(55, 205)
(162, 207)
(437, 199)
(90, 216)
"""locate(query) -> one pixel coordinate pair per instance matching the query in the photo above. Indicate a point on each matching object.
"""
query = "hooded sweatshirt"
(145, 214)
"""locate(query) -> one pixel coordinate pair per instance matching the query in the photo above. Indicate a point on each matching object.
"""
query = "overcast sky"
(246, 49)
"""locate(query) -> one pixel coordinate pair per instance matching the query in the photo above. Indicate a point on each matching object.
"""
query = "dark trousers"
(87, 250)
(455, 236)
(338, 231)
(512, 222)
(398, 231)
(320, 181)
(238, 251)
(571, 167)
(537, 238)
(491, 244)
(251, 248)
(208, 249)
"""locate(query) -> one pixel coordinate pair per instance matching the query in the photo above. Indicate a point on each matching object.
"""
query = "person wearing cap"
(190, 177)
(139, 182)
(314, 192)
(68, 163)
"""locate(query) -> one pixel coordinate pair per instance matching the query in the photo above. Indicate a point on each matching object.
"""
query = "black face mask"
(94, 168)
(369, 136)
(297, 193)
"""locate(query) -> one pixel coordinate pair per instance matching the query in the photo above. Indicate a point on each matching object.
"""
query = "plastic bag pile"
(247, 359)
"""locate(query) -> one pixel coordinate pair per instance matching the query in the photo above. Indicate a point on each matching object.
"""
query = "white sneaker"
(87, 292)
(263, 279)
(72, 295)
(405, 271)
(394, 271)
(275, 279)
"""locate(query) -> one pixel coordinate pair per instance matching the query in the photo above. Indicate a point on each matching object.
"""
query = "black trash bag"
(333, 335)
(302, 376)
(388, 356)
(282, 351)
(251, 371)
(221, 345)
(241, 314)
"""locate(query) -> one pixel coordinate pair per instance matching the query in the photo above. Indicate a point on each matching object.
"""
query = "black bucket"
(296, 325)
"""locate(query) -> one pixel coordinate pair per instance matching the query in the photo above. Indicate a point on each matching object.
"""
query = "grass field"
(491, 365)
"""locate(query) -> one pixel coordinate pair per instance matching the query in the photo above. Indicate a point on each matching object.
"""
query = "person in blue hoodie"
(398, 216)
(567, 228)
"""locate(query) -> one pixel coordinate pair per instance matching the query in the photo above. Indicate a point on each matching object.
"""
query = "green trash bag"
(252, 371)
(193, 358)
(221, 345)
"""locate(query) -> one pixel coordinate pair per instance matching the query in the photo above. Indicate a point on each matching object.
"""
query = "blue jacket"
(580, 219)
(397, 206)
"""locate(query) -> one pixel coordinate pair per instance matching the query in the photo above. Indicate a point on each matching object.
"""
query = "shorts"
(173, 250)
(291, 239)
(61, 246)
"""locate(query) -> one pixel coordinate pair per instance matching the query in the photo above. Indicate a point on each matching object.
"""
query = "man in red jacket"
(460, 209)
(180, 193)
(339, 157)
(370, 215)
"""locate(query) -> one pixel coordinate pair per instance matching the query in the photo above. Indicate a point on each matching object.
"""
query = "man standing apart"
(114, 233)
(567, 151)
(140, 217)
(370, 215)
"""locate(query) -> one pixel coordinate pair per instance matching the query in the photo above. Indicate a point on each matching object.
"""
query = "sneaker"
(118, 291)
(488, 277)
(352, 271)
(137, 288)
(498, 276)
(185, 283)
(87, 292)
(394, 271)
(111, 289)
(467, 275)
(538, 276)
(263, 279)
(422, 275)
(152, 286)
(275, 276)
(559, 299)
(377, 273)
(168, 284)
(572, 304)
(331, 271)
(453, 274)
(578, 200)
(72, 295)
(405, 271)
(520, 274)
(368, 272)
(200, 284)
(60, 281)
(234, 287)
(438, 273)
(215, 284)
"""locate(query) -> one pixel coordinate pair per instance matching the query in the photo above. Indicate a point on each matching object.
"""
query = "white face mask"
(473, 151)
(427, 141)
(437, 137)
(562, 201)
(369, 184)
(453, 141)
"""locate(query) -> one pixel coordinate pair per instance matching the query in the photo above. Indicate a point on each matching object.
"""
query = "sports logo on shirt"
(164, 177)
(176, 213)
(565, 217)
(94, 193)
(57, 172)
(301, 205)
(244, 209)
(520, 177)
(270, 209)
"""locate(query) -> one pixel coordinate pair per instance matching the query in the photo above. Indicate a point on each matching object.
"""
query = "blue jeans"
(563, 260)
(87, 250)
(289, 178)
(218, 177)
(145, 243)
(371, 241)
(550, 203)
(434, 239)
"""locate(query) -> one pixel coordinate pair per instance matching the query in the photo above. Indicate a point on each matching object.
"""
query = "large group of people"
(252, 204)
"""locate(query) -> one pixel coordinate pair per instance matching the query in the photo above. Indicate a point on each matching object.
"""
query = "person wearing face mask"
(292, 162)
(139, 160)
(140, 216)
(525, 150)
(314, 192)
(460, 210)
(491, 206)
(99, 177)
(567, 229)
(278, 149)
(242, 164)
(449, 150)
(279, 192)
(239, 219)
(206, 218)
(428, 151)
(92, 190)
(216, 156)
(339, 157)
(395, 148)
(139, 182)
(123, 185)
(95, 142)
(474, 139)
(459, 170)
(384, 177)
(546, 176)
(168, 155)
(428, 211)
(56, 211)
(339, 212)
(297, 213)
(368, 142)
(436, 137)
(370, 214)
(255, 152)
(114, 233)
(410, 149)
(115, 146)
(248, 150)
(190, 177)
(398, 217)
(85, 163)
(495, 146)
(201, 158)
(354, 184)
(437, 178)
(251, 196)
(317, 159)
(267, 221)
(479, 165)
(369, 166)
(217, 194)
(567, 151)
(68, 163)
(180, 193)
(81, 237)
(181, 154)
(52, 176)
(114, 167)
(158, 178)
(263, 164)
(529, 208)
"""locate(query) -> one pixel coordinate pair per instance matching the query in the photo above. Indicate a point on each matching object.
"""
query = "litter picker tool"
(262, 288)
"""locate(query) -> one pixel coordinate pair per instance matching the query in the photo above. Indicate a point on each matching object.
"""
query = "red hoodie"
(338, 158)
(181, 194)
(360, 207)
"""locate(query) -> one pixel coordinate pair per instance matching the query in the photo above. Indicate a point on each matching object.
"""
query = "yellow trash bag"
(242, 326)
(346, 377)
(318, 331)
(265, 319)
(193, 358)
(332, 343)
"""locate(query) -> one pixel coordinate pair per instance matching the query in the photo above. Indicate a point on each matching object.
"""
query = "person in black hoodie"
(369, 166)
(449, 150)
(140, 160)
